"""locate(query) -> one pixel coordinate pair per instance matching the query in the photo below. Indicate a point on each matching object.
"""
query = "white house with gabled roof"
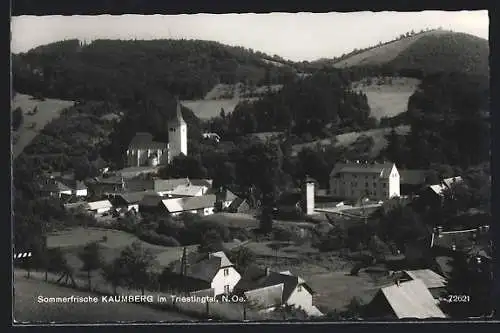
(379, 181)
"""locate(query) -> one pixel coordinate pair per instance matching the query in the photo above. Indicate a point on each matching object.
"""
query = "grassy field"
(384, 53)
(28, 310)
(347, 139)
(47, 110)
(387, 97)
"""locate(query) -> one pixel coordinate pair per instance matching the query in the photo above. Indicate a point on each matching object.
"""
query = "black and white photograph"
(278, 167)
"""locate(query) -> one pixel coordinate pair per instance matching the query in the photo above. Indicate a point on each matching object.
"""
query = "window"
(299, 289)
(374, 185)
(366, 184)
(226, 271)
(384, 185)
(355, 176)
(226, 289)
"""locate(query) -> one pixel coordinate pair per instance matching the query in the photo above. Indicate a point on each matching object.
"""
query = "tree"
(137, 263)
(91, 260)
(114, 273)
(17, 118)
(242, 257)
(211, 241)
(266, 219)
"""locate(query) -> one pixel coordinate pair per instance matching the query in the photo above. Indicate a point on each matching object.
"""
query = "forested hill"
(427, 52)
(123, 69)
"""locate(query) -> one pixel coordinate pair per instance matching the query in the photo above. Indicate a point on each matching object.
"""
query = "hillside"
(430, 51)
(387, 96)
(48, 110)
(103, 68)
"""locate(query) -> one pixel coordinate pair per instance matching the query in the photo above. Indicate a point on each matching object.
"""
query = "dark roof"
(161, 185)
(202, 267)
(236, 203)
(144, 141)
(201, 182)
(383, 169)
(203, 201)
(54, 186)
(226, 195)
(412, 177)
(134, 197)
(151, 200)
(137, 184)
(256, 278)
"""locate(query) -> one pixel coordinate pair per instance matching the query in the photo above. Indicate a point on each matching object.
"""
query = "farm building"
(270, 290)
(403, 300)
(202, 205)
(195, 272)
(378, 181)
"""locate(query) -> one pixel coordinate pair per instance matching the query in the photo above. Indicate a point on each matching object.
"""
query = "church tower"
(177, 135)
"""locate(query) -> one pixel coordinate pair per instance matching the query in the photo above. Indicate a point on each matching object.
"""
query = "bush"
(282, 234)
(152, 237)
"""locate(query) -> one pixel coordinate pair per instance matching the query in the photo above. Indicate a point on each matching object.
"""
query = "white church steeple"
(177, 134)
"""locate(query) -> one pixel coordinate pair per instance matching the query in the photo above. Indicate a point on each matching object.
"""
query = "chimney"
(398, 283)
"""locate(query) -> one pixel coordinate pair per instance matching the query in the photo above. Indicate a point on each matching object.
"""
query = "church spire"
(178, 113)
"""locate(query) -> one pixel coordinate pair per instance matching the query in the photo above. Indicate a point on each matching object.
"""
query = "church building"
(143, 151)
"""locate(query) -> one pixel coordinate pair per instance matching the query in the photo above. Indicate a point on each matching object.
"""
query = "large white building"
(357, 180)
(143, 151)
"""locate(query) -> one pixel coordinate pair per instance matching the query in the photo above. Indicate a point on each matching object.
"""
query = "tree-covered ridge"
(104, 68)
(316, 107)
(426, 52)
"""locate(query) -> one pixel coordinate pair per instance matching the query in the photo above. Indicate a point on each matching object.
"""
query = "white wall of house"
(134, 206)
(300, 297)
(356, 185)
(225, 277)
(81, 193)
(102, 210)
(68, 192)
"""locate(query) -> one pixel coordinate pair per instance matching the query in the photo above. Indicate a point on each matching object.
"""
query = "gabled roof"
(225, 262)
(137, 184)
(201, 182)
(173, 205)
(430, 278)
(190, 203)
(383, 170)
(151, 200)
(202, 267)
(412, 299)
(412, 177)
(145, 141)
(256, 278)
(226, 195)
(164, 185)
(188, 190)
(134, 197)
(203, 201)
(237, 202)
(54, 186)
(266, 297)
(453, 180)
(99, 204)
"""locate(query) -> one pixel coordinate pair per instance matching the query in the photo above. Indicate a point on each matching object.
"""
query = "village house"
(403, 300)
(130, 200)
(196, 272)
(202, 205)
(99, 207)
(62, 185)
(54, 188)
(432, 195)
(379, 181)
(143, 151)
(189, 191)
(239, 205)
(435, 283)
(270, 290)
(225, 198)
(102, 186)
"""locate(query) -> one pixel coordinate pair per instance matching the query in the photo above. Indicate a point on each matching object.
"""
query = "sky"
(293, 36)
